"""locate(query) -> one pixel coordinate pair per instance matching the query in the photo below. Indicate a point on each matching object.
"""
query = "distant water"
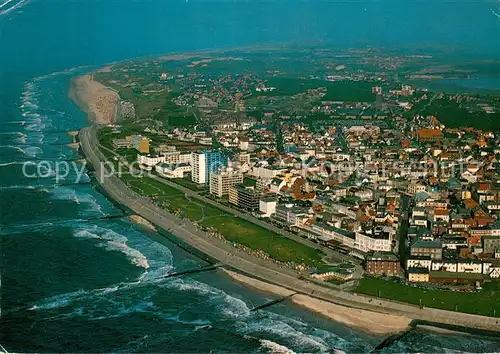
(74, 283)
(482, 83)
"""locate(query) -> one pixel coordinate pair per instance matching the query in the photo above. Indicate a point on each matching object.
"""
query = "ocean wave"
(275, 328)
(234, 307)
(21, 139)
(71, 194)
(12, 147)
(33, 151)
(35, 127)
(62, 72)
(178, 319)
(115, 242)
(13, 7)
(21, 187)
(94, 304)
(28, 150)
(11, 163)
(11, 133)
(59, 301)
(20, 122)
(5, 3)
(97, 314)
(274, 347)
(227, 305)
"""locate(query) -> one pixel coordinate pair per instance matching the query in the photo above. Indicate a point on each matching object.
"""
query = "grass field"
(190, 184)
(336, 91)
(233, 228)
(485, 302)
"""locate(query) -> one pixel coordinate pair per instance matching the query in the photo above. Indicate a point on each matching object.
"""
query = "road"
(259, 268)
(403, 230)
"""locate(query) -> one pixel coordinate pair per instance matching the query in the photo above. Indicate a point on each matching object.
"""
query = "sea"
(76, 275)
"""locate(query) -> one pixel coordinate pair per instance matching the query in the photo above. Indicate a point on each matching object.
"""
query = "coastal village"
(393, 193)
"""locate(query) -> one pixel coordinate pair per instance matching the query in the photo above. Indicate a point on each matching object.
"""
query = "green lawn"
(356, 91)
(190, 184)
(484, 302)
(258, 238)
(233, 228)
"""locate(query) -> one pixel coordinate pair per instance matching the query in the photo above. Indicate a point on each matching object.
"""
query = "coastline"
(139, 220)
(367, 321)
(269, 274)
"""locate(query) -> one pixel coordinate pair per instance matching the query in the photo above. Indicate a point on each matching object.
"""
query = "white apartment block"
(172, 156)
(222, 180)
(150, 160)
(198, 168)
(366, 243)
(267, 172)
(173, 170)
(267, 206)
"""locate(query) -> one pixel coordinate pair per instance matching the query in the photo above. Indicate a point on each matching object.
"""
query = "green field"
(485, 302)
(233, 228)
(355, 91)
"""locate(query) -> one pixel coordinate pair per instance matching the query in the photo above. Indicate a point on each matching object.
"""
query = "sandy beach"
(368, 321)
(137, 219)
(95, 99)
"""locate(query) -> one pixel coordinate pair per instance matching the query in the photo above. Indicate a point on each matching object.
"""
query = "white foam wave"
(62, 72)
(275, 328)
(58, 301)
(11, 133)
(5, 3)
(21, 139)
(275, 348)
(234, 307)
(35, 127)
(33, 151)
(177, 318)
(41, 188)
(229, 306)
(13, 7)
(20, 122)
(115, 242)
(97, 304)
(71, 194)
(10, 163)
(12, 147)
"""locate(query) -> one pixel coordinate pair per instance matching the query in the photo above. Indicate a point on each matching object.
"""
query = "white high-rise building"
(198, 168)
(222, 180)
(204, 163)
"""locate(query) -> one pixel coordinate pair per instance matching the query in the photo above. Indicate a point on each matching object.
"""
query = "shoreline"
(98, 101)
(366, 321)
(139, 220)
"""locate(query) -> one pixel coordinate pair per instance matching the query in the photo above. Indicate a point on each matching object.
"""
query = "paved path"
(259, 268)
